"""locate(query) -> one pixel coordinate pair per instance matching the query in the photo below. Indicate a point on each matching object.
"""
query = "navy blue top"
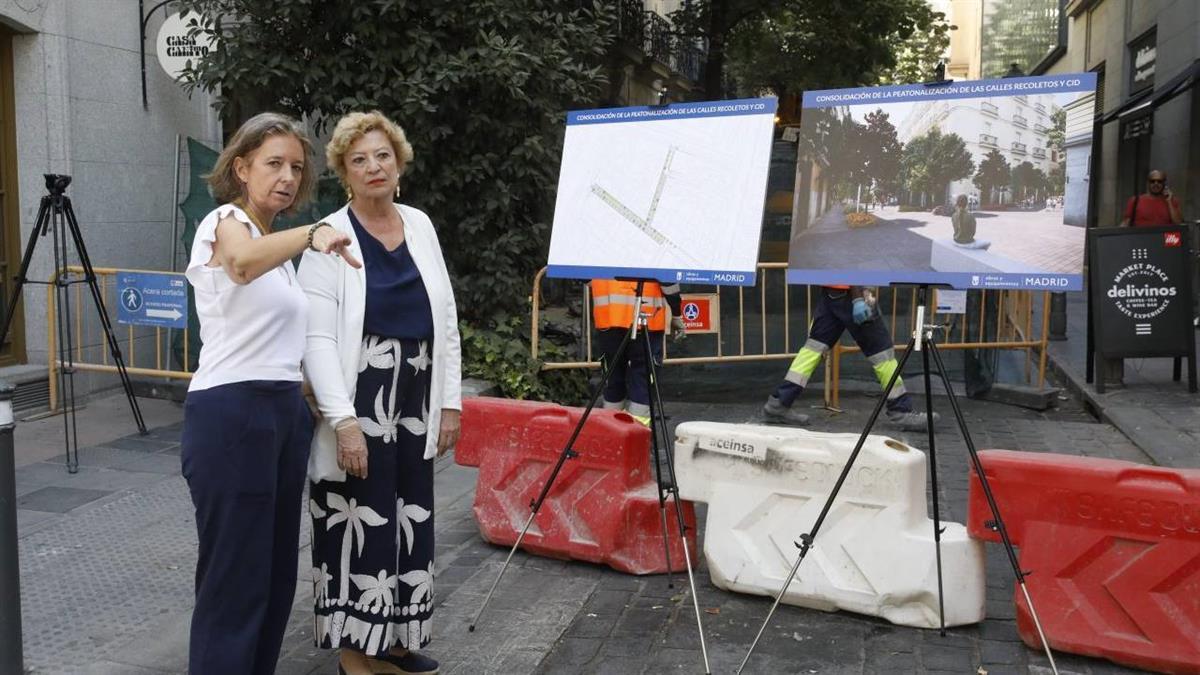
(397, 303)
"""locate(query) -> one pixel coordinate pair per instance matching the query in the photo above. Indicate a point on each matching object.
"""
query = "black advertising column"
(1141, 295)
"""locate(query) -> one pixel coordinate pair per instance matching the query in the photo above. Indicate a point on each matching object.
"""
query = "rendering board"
(673, 193)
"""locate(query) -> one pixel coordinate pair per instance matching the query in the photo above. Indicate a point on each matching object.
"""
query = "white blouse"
(252, 331)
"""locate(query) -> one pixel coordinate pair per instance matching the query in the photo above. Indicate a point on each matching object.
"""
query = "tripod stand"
(661, 454)
(56, 217)
(923, 341)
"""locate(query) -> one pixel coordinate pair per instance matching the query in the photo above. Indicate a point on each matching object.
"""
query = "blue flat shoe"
(411, 663)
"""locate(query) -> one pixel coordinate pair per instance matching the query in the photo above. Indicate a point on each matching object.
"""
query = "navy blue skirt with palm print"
(373, 538)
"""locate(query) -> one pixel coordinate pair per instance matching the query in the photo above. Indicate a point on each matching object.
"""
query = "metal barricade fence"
(778, 324)
(140, 345)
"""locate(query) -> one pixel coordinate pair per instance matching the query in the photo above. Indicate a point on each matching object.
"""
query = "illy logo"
(1172, 239)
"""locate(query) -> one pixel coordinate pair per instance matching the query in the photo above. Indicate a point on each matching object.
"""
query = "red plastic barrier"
(1113, 549)
(603, 506)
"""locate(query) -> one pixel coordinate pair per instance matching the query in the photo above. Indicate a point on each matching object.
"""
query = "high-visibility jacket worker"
(628, 387)
(839, 309)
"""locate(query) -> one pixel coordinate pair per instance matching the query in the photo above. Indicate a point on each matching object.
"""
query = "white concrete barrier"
(765, 486)
(944, 256)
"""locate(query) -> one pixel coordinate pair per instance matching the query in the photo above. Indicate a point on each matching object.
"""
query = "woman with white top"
(246, 428)
(384, 362)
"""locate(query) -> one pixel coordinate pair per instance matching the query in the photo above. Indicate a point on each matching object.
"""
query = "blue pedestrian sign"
(152, 299)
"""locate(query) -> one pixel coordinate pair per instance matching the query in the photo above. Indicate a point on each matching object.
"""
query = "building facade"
(1144, 53)
(71, 103)
(1017, 127)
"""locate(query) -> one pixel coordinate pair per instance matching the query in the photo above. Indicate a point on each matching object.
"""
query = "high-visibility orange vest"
(612, 304)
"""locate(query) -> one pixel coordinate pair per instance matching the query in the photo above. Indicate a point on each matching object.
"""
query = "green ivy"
(500, 354)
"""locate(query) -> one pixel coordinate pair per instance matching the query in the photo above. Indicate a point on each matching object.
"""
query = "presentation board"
(975, 184)
(673, 193)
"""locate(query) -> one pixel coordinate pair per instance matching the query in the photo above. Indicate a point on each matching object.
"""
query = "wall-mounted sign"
(1144, 54)
(177, 48)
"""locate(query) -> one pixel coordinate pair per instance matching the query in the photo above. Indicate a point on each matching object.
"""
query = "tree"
(881, 151)
(480, 87)
(919, 55)
(931, 161)
(994, 172)
(1056, 135)
(788, 46)
(1028, 181)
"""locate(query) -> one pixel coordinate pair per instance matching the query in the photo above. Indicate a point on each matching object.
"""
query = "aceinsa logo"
(1172, 239)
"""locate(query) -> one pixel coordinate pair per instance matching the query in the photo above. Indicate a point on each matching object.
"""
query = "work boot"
(909, 420)
(779, 413)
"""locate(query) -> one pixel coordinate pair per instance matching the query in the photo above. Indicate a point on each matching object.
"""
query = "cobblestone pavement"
(107, 557)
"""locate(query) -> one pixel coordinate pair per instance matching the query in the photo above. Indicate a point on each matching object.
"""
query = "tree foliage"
(882, 150)
(931, 161)
(480, 88)
(994, 172)
(919, 54)
(788, 46)
(1028, 181)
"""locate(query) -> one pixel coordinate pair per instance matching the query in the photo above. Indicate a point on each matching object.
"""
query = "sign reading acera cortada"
(178, 47)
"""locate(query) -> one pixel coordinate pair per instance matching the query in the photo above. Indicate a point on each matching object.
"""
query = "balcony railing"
(1021, 98)
(987, 140)
(688, 60)
(651, 34)
(1039, 107)
(1018, 148)
(1039, 153)
(1020, 121)
(632, 22)
(658, 38)
(989, 109)
(1040, 128)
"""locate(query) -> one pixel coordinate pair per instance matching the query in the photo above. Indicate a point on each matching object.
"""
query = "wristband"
(312, 230)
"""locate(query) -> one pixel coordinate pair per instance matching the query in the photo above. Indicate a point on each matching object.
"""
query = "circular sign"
(691, 311)
(177, 48)
(131, 298)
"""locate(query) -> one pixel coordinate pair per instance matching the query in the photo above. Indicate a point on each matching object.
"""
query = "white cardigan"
(336, 303)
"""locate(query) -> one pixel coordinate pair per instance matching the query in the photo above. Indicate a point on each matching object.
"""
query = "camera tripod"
(662, 454)
(923, 341)
(57, 218)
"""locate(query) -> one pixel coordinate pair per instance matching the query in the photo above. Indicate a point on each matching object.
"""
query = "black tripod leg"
(991, 499)
(807, 540)
(563, 456)
(90, 274)
(657, 425)
(671, 487)
(66, 363)
(937, 523)
(20, 280)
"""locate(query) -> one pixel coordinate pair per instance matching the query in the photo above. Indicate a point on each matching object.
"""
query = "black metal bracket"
(143, 19)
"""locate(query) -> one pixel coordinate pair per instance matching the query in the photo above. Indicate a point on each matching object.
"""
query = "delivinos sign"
(1142, 290)
(178, 47)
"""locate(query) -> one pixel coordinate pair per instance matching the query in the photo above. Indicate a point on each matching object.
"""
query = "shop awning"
(1151, 99)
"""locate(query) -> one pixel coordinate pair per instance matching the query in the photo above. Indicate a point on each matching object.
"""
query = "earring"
(349, 195)
(397, 189)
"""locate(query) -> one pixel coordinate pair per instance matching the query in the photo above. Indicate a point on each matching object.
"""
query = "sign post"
(152, 299)
(1141, 295)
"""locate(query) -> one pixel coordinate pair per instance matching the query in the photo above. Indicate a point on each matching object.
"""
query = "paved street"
(901, 241)
(107, 558)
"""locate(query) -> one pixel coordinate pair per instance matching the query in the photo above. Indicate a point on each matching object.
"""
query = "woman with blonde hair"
(383, 358)
(246, 429)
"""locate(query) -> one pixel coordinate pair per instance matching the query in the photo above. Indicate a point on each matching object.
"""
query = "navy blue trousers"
(628, 383)
(245, 454)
